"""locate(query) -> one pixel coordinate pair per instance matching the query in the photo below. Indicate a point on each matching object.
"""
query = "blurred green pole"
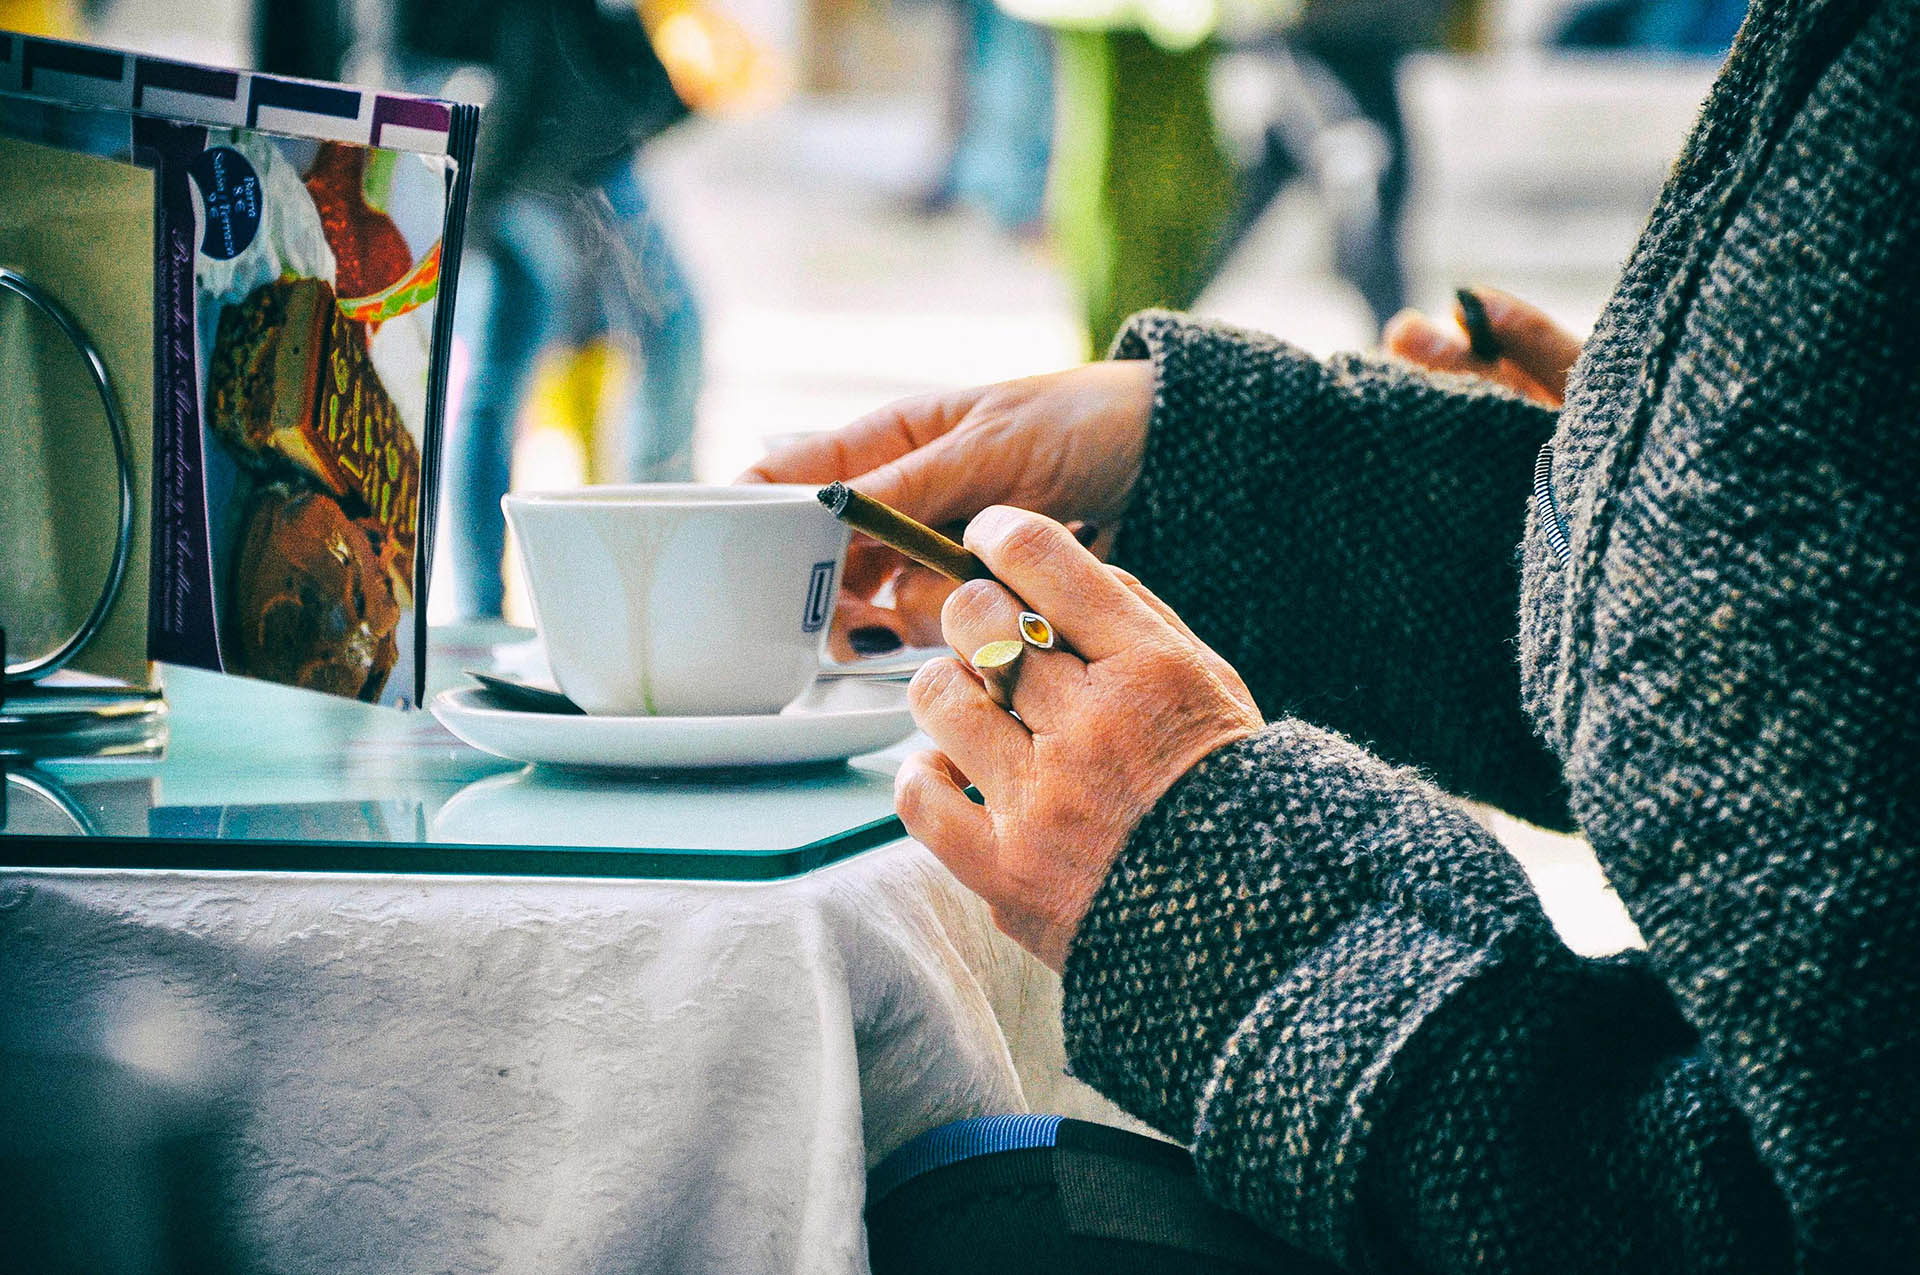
(1142, 189)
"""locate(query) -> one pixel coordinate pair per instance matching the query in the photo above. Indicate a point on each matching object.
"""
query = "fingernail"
(1086, 533)
(991, 523)
(1495, 304)
(1473, 314)
(873, 639)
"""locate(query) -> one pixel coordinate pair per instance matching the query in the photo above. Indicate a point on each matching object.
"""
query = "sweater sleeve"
(1317, 971)
(1309, 968)
(1345, 534)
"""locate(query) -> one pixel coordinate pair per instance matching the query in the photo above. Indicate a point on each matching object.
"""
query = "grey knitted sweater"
(1312, 967)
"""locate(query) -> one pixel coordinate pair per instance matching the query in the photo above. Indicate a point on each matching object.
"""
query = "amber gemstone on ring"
(1035, 630)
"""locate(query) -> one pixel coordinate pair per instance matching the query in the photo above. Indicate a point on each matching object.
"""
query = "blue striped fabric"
(961, 1140)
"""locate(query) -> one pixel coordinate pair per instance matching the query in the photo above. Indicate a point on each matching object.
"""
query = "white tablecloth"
(441, 1074)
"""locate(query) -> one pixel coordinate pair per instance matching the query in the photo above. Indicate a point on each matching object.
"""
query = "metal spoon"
(525, 696)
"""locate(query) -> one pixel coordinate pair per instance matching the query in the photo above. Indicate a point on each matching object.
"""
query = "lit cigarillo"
(930, 549)
(897, 531)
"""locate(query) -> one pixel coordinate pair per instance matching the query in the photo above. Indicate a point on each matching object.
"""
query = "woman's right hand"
(1068, 444)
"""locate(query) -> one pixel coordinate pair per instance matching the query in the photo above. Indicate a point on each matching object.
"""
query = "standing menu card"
(291, 247)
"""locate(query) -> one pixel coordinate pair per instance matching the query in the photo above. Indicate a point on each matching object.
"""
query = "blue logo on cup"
(819, 598)
(230, 195)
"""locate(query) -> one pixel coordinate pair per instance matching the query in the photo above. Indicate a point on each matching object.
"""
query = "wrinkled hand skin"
(1103, 730)
(1068, 444)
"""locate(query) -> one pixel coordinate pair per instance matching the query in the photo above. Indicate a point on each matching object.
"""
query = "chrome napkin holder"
(37, 720)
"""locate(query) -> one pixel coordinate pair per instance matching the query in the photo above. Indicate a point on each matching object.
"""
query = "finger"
(916, 591)
(1041, 562)
(954, 772)
(929, 798)
(938, 483)
(952, 707)
(983, 611)
(919, 595)
(1530, 339)
(1214, 661)
(862, 630)
(1160, 608)
(868, 443)
(913, 619)
(870, 565)
(1412, 336)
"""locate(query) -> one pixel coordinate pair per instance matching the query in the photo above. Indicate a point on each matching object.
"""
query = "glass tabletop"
(260, 777)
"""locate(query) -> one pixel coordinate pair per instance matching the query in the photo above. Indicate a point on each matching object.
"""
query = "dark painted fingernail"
(1086, 533)
(873, 640)
(1473, 313)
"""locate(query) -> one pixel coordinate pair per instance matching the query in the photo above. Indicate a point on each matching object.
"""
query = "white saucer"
(837, 718)
(526, 659)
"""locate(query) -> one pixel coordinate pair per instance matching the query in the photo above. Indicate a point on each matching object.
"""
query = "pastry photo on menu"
(298, 287)
(315, 412)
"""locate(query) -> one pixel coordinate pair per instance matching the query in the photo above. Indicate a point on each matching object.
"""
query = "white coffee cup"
(678, 599)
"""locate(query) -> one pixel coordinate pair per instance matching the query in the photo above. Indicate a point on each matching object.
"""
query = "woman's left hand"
(1536, 354)
(1104, 729)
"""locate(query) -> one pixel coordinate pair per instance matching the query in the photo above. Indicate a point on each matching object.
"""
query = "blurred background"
(701, 225)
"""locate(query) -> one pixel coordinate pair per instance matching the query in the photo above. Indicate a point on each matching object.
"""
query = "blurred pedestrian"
(1000, 118)
(1339, 125)
(1143, 191)
(566, 244)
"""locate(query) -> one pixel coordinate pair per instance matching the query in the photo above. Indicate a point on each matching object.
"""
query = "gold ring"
(998, 664)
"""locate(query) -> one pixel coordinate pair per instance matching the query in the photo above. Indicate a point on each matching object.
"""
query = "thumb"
(1412, 336)
(1039, 560)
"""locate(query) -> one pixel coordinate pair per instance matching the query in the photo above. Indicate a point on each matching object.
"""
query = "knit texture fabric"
(1310, 966)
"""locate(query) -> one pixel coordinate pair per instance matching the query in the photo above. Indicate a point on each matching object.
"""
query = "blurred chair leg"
(1142, 188)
